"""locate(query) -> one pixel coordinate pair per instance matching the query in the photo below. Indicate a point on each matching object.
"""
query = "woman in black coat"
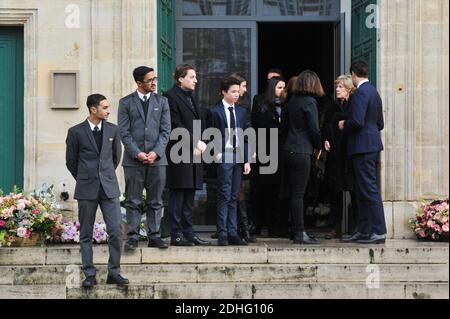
(268, 117)
(338, 170)
(300, 124)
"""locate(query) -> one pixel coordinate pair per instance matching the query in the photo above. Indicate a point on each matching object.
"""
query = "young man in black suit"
(226, 116)
(92, 155)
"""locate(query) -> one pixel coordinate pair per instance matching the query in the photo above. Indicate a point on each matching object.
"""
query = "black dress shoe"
(181, 241)
(157, 243)
(197, 241)
(355, 237)
(222, 241)
(237, 241)
(248, 237)
(89, 281)
(305, 239)
(373, 239)
(215, 236)
(117, 280)
(131, 244)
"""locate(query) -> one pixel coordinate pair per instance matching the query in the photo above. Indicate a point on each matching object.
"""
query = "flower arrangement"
(37, 215)
(431, 221)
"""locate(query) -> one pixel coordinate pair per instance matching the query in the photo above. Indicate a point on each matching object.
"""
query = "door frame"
(28, 19)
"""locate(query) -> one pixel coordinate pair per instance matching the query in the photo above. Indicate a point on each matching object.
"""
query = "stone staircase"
(271, 268)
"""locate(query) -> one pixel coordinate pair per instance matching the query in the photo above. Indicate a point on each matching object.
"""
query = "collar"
(92, 125)
(362, 82)
(226, 105)
(141, 96)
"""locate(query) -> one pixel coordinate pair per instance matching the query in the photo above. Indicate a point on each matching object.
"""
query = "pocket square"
(157, 109)
(111, 139)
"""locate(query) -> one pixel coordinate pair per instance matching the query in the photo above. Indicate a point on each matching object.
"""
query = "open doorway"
(295, 47)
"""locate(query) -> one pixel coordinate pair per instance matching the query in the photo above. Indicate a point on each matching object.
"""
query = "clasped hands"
(200, 148)
(149, 158)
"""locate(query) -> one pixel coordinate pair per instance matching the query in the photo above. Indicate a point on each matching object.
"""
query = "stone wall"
(413, 82)
(114, 36)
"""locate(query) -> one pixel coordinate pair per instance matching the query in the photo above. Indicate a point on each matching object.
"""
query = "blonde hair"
(346, 80)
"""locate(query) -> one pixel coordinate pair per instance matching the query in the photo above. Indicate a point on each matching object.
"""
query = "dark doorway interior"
(295, 47)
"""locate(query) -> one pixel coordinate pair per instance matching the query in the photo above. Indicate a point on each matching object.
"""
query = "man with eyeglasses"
(144, 122)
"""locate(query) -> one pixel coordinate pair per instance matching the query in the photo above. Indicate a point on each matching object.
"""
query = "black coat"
(338, 169)
(183, 175)
(268, 118)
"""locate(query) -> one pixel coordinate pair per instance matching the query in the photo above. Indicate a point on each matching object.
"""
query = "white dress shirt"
(92, 125)
(229, 143)
(141, 96)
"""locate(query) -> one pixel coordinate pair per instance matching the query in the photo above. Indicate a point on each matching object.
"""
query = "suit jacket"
(141, 134)
(365, 121)
(182, 115)
(90, 167)
(300, 125)
(217, 118)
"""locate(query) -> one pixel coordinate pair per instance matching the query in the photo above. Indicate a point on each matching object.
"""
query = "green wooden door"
(11, 108)
(364, 35)
(166, 44)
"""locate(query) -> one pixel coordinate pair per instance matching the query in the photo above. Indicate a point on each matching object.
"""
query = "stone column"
(413, 83)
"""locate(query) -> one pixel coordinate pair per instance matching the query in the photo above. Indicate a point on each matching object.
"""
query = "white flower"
(21, 231)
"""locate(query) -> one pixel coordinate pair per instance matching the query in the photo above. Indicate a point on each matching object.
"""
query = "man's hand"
(142, 156)
(247, 168)
(341, 125)
(327, 146)
(151, 158)
(218, 157)
(197, 152)
(317, 154)
(201, 146)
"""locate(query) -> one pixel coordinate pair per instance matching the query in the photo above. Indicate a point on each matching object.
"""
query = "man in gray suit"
(144, 122)
(92, 156)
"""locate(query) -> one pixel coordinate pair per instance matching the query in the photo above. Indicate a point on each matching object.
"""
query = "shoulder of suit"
(127, 98)
(159, 97)
(109, 124)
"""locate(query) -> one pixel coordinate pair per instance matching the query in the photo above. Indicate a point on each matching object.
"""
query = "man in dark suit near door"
(144, 122)
(364, 145)
(184, 178)
(233, 159)
(92, 155)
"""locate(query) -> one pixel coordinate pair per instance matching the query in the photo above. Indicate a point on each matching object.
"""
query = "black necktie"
(144, 98)
(232, 124)
(96, 129)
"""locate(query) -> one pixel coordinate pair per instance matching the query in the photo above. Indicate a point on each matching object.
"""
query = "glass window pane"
(301, 7)
(216, 7)
(216, 53)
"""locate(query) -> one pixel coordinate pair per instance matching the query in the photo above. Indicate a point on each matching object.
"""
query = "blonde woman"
(338, 169)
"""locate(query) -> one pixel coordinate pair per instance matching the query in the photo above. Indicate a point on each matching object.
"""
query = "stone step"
(223, 273)
(264, 252)
(330, 290)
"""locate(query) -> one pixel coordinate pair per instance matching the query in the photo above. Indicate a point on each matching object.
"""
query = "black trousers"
(298, 166)
(181, 206)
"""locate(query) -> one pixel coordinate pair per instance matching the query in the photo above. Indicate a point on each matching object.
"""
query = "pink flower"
(437, 228)
(35, 211)
(28, 233)
(2, 223)
(21, 232)
(422, 234)
(445, 228)
(430, 224)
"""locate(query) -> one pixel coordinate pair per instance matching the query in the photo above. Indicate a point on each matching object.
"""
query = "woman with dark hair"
(300, 123)
(338, 174)
(267, 117)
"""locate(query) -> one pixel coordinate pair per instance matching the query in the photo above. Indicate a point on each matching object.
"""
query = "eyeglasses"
(153, 80)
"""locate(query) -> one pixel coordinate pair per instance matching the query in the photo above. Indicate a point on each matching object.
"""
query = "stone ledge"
(226, 273)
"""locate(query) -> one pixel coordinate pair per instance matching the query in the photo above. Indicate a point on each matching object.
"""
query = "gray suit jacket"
(90, 167)
(144, 135)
